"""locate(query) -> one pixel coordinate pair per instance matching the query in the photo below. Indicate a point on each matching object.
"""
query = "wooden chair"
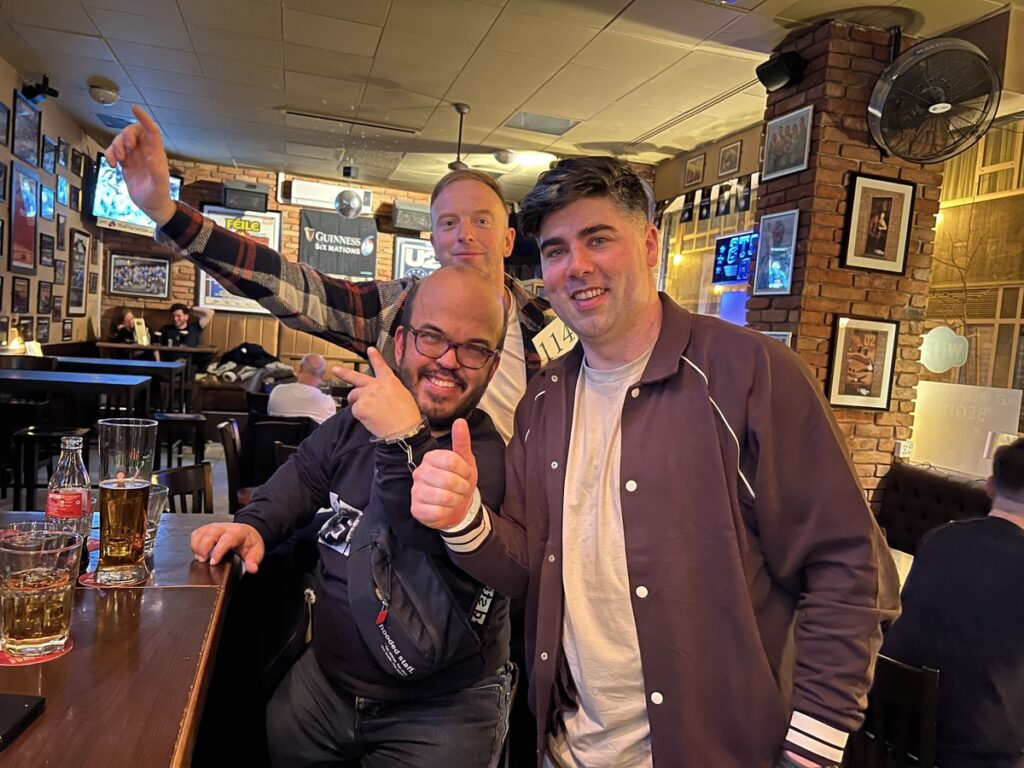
(256, 403)
(229, 438)
(899, 729)
(189, 489)
(174, 430)
(282, 451)
(258, 461)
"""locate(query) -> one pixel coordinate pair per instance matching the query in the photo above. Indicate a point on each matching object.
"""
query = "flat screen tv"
(733, 256)
(112, 206)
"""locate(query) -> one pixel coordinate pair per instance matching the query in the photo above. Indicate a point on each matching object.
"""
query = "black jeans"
(310, 724)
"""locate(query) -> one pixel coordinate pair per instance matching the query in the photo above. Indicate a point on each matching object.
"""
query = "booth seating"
(916, 500)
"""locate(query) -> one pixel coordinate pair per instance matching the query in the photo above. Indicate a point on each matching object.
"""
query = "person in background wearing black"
(963, 614)
(122, 328)
(183, 331)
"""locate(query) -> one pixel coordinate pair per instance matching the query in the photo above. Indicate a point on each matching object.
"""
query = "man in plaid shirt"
(470, 226)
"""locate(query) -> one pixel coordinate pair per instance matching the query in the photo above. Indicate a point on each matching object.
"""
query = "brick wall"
(844, 61)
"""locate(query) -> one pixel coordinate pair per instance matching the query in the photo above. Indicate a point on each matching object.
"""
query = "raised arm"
(205, 315)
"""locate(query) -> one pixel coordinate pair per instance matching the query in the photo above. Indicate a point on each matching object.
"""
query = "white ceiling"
(218, 74)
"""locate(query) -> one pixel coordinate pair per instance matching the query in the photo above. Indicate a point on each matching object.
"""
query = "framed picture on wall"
(413, 258)
(729, 159)
(20, 297)
(694, 171)
(63, 191)
(45, 250)
(62, 232)
(862, 361)
(1, 293)
(44, 297)
(23, 219)
(67, 329)
(63, 152)
(78, 268)
(94, 283)
(46, 202)
(776, 247)
(3, 182)
(75, 198)
(43, 330)
(28, 122)
(5, 123)
(27, 328)
(878, 220)
(5, 324)
(60, 274)
(58, 308)
(77, 162)
(787, 143)
(786, 337)
(49, 154)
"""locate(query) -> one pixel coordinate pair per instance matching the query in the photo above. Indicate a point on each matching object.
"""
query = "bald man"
(303, 397)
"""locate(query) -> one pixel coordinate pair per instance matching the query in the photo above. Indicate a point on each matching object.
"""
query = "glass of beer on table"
(38, 570)
(126, 462)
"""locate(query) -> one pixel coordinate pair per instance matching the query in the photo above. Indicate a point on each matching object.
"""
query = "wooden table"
(131, 690)
(173, 372)
(120, 390)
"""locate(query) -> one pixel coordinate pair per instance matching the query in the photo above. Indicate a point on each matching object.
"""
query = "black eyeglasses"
(430, 344)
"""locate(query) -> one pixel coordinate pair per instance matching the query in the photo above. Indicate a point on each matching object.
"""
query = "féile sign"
(942, 349)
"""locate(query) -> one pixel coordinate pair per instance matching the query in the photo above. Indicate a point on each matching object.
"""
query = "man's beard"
(441, 413)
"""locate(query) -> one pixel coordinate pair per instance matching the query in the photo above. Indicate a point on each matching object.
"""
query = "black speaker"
(782, 70)
(411, 216)
(246, 195)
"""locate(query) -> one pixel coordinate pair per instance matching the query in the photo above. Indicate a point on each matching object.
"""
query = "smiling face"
(597, 261)
(462, 305)
(180, 319)
(470, 226)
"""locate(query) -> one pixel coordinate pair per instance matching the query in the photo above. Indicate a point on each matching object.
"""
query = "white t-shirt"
(610, 728)
(509, 383)
(297, 399)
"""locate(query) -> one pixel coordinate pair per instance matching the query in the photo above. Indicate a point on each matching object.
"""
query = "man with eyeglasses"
(353, 696)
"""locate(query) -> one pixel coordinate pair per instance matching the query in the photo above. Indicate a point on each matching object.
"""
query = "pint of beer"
(123, 505)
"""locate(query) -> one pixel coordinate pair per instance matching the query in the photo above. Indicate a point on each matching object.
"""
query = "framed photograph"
(742, 190)
(46, 202)
(19, 295)
(60, 274)
(77, 163)
(23, 219)
(132, 275)
(94, 257)
(724, 205)
(94, 283)
(5, 123)
(5, 324)
(67, 328)
(62, 232)
(63, 191)
(63, 152)
(58, 308)
(81, 242)
(44, 297)
(26, 328)
(694, 173)
(704, 208)
(3, 182)
(786, 337)
(729, 159)
(49, 155)
(43, 330)
(878, 224)
(776, 246)
(863, 357)
(28, 122)
(1, 293)
(414, 257)
(75, 198)
(45, 250)
(787, 143)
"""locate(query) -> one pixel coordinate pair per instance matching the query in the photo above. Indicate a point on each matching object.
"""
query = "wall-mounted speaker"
(782, 70)
(411, 216)
(246, 195)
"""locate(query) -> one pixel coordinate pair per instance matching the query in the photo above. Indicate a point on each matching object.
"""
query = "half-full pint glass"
(38, 570)
(123, 507)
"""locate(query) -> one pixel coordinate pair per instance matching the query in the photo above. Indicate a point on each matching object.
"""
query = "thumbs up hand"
(445, 481)
(380, 402)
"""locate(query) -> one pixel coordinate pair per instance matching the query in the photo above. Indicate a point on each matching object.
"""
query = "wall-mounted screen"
(733, 255)
(113, 207)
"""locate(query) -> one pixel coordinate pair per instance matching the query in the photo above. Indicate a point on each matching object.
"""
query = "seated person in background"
(303, 397)
(122, 326)
(182, 331)
(365, 689)
(963, 614)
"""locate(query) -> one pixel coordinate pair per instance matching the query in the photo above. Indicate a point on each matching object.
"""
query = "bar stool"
(35, 447)
(177, 429)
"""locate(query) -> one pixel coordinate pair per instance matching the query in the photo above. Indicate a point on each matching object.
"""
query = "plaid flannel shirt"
(353, 315)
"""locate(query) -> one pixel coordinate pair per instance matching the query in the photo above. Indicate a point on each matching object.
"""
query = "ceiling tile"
(247, 17)
(481, 95)
(593, 13)
(46, 41)
(751, 34)
(398, 75)
(246, 94)
(939, 16)
(167, 117)
(612, 84)
(248, 114)
(167, 81)
(408, 47)
(611, 50)
(373, 12)
(236, 46)
(245, 73)
(330, 34)
(169, 33)
(72, 72)
(252, 143)
(682, 21)
(396, 107)
(446, 19)
(317, 61)
(512, 139)
(167, 59)
(551, 101)
(309, 124)
(156, 9)
(537, 36)
(338, 92)
(507, 68)
(64, 15)
(156, 97)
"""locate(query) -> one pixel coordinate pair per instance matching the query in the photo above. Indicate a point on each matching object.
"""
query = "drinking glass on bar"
(123, 508)
(154, 514)
(126, 448)
(38, 570)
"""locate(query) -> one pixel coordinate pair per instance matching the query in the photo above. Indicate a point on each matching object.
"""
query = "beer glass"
(154, 514)
(126, 448)
(38, 570)
(123, 508)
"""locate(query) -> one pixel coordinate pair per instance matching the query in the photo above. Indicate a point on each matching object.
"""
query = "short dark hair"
(468, 174)
(178, 305)
(575, 178)
(1008, 471)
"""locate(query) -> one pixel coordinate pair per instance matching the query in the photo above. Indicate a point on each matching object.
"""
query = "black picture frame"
(67, 330)
(27, 130)
(75, 198)
(5, 325)
(729, 159)
(63, 152)
(139, 275)
(62, 232)
(78, 268)
(49, 162)
(23, 219)
(862, 348)
(879, 219)
(94, 283)
(77, 162)
(63, 191)
(5, 124)
(43, 330)
(44, 297)
(46, 250)
(21, 297)
(3, 182)
(26, 327)
(46, 202)
(57, 311)
(60, 271)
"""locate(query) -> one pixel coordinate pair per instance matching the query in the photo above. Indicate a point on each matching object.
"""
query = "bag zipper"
(383, 596)
(310, 597)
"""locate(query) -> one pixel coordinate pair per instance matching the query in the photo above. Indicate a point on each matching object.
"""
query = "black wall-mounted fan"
(934, 101)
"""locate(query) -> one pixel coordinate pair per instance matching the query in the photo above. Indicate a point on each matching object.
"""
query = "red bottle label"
(68, 503)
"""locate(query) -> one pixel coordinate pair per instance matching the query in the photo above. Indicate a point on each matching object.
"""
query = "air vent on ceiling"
(113, 122)
(529, 121)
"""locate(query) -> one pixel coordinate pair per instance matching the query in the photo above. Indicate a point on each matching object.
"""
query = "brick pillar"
(844, 61)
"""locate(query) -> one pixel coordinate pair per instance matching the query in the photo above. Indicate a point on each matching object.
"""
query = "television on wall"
(111, 204)
(733, 257)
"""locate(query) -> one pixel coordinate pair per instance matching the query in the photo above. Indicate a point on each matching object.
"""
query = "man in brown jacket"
(705, 584)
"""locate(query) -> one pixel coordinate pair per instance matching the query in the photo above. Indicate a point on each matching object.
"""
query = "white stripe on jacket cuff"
(470, 517)
(468, 536)
(817, 737)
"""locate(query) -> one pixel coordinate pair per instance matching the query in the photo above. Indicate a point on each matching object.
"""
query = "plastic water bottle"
(68, 499)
